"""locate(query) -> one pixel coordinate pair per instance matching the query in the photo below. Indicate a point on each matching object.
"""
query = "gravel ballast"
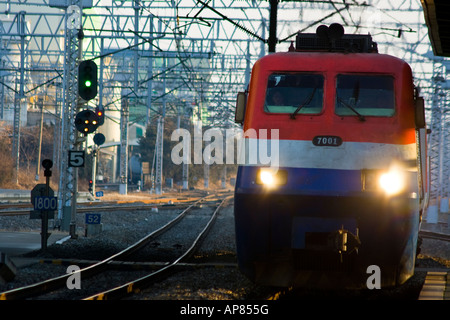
(122, 228)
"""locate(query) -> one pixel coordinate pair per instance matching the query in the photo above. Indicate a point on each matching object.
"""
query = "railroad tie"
(436, 286)
(447, 288)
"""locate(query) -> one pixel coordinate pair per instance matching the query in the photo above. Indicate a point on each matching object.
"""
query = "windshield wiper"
(360, 116)
(306, 102)
(353, 99)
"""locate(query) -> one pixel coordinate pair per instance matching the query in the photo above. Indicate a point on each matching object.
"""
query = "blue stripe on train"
(304, 181)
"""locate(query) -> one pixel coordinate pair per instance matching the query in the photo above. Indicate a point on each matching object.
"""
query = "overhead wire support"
(68, 175)
(435, 145)
(232, 22)
(216, 45)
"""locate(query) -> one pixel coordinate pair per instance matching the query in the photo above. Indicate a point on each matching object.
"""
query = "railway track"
(187, 272)
(427, 284)
(434, 235)
(102, 266)
(18, 209)
(143, 282)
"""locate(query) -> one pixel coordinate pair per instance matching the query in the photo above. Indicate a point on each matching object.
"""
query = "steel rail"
(57, 282)
(103, 206)
(434, 235)
(143, 282)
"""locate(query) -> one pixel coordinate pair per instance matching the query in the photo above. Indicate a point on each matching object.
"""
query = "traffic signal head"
(86, 121)
(99, 139)
(87, 80)
(101, 115)
(90, 185)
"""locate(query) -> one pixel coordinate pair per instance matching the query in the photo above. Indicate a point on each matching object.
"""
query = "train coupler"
(343, 241)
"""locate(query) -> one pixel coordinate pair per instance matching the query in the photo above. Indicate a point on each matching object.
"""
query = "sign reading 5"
(76, 158)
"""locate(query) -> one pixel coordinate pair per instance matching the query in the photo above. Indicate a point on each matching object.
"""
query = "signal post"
(86, 122)
(44, 203)
(80, 86)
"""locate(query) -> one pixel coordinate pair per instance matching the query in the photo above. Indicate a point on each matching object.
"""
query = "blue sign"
(45, 203)
(99, 194)
(93, 218)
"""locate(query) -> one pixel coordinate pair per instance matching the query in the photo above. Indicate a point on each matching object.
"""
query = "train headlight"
(392, 182)
(267, 177)
(271, 177)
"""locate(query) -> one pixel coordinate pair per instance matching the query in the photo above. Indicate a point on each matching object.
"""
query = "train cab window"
(294, 93)
(365, 95)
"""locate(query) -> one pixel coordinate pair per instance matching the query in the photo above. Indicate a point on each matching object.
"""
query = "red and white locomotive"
(350, 181)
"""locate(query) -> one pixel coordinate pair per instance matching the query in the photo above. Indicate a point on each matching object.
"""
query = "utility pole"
(16, 136)
(19, 95)
(41, 123)
(186, 156)
(273, 25)
(160, 139)
(123, 184)
(159, 155)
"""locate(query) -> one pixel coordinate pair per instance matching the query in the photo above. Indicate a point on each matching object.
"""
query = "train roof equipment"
(334, 39)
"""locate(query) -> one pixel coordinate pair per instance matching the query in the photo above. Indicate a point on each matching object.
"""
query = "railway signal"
(86, 121)
(87, 80)
(101, 115)
(99, 139)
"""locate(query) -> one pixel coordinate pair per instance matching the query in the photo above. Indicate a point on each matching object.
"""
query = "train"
(334, 176)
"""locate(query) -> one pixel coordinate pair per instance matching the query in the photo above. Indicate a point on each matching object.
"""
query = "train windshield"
(294, 93)
(365, 95)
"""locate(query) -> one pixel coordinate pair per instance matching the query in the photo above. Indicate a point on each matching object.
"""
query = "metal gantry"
(160, 58)
(71, 139)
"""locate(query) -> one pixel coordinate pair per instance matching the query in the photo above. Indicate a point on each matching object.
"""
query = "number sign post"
(44, 203)
(93, 224)
(76, 158)
(93, 218)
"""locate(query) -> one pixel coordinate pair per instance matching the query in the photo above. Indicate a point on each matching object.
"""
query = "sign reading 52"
(76, 158)
(93, 218)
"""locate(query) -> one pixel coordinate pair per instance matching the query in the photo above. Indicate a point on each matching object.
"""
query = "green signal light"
(87, 80)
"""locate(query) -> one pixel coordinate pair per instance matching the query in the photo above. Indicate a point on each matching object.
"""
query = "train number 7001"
(327, 141)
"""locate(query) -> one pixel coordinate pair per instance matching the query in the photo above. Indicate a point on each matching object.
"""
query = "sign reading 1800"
(45, 203)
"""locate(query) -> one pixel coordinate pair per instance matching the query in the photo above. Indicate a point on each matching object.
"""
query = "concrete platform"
(19, 243)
